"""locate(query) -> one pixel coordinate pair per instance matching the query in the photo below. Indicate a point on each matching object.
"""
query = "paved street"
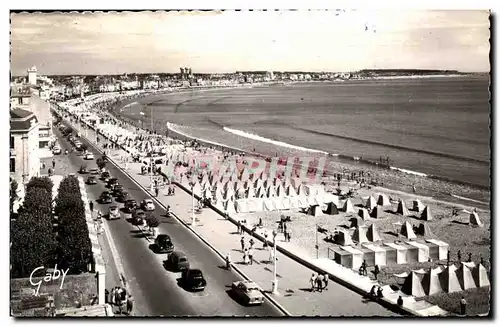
(155, 289)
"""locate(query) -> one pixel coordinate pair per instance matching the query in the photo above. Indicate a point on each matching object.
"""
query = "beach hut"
(480, 276)
(342, 257)
(378, 253)
(413, 286)
(372, 233)
(422, 251)
(363, 213)
(359, 235)
(426, 214)
(377, 212)
(448, 279)
(370, 203)
(331, 209)
(474, 220)
(357, 257)
(348, 207)
(417, 205)
(442, 249)
(425, 230)
(383, 200)
(400, 252)
(241, 206)
(290, 190)
(402, 209)
(314, 210)
(343, 238)
(407, 231)
(465, 278)
(430, 281)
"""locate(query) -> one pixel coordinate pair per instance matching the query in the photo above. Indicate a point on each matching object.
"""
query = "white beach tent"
(290, 191)
(359, 235)
(413, 286)
(449, 280)
(261, 192)
(407, 231)
(383, 200)
(280, 191)
(348, 207)
(229, 206)
(402, 209)
(363, 213)
(250, 192)
(465, 278)
(417, 205)
(474, 219)
(480, 276)
(430, 281)
(370, 203)
(426, 214)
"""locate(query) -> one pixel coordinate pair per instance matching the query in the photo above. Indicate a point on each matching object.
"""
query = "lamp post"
(151, 173)
(317, 245)
(192, 203)
(275, 280)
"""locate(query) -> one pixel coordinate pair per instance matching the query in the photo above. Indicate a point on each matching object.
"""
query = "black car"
(83, 170)
(193, 280)
(105, 175)
(123, 197)
(164, 244)
(117, 189)
(112, 182)
(138, 217)
(105, 198)
(91, 180)
(178, 261)
(130, 205)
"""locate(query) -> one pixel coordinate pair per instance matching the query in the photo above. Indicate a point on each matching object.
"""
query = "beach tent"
(417, 205)
(407, 231)
(296, 182)
(269, 205)
(430, 281)
(207, 193)
(465, 278)
(313, 200)
(280, 191)
(370, 203)
(261, 192)
(258, 184)
(302, 201)
(480, 276)
(331, 209)
(344, 238)
(245, 175)
(229, 206)
(250, 193)
(294, 202)
(372, 233)
(248, 184)
(413, 286)
(290, 191)
(241, 206)
(377, 212)
(278, 203)
(314, 210)
(300, 190)
(425, 230)
(330, 198)
(426, 214)
(449, 280)
(356, 221)
(402, 208)
(383, 200)
(271, 192)
(363, 213)
(474, 219)
(348, 207)
(359, 235)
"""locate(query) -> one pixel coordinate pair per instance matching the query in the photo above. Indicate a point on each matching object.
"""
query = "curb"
(272, 300)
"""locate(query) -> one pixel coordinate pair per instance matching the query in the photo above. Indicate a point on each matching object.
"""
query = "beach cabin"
(423, 250)
(401, 252)
(378, 253)
(390, 254)
(356, 257)
(442, 251)
(342, 257)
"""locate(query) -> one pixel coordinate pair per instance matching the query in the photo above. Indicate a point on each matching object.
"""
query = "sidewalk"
(293, 277)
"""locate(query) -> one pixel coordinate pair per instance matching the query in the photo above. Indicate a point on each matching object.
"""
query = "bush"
(40, 182)
(13, 194)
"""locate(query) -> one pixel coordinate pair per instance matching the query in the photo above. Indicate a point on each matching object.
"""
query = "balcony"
(12, 152)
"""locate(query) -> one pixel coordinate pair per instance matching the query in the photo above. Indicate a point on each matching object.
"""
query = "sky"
(340, 41)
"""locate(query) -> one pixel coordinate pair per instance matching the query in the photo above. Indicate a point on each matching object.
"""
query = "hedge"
(74, 249)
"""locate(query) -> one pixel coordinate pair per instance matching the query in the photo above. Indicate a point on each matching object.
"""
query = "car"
(178, 261)
(248, 292)
(104, 175)
(130, 205)
(105, 198)
(147, 205)
(83, 170)
(117, 189)
(164, 244)
(56, 150)
(138, 217)
(112, 182)
(91, 180)
(89, 156)
(94, 171)
(114, 213)
(193, 280)
(122, 197)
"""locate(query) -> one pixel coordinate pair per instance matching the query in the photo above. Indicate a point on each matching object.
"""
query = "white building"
(24, 150)
(32, 75)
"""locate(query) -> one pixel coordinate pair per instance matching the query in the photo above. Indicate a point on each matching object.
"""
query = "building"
(32, 75)
(24, 145)
(20, 97)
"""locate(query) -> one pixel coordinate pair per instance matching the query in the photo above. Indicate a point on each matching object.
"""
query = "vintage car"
(138, 217)
(178, 261)
(105, 198)
(193, 280)
(164, 244)
(148, 205)
(130, 205)
(83, 170)
(89, 156)
(91, 180)
(56, 150)
(112, 182)
(117, 190)
(94, 171)
(114, 213)
(123, 197)
(248, 292)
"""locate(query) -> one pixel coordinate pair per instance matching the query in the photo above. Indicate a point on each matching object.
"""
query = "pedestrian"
(379, 292)
(239, 227)
(313, 282)
(130, 304)
(245, 257)
(264, 245)
(376, 271)
(106, 296)
(373, 292)
(319, 283)
(463, 306)
(470, 257)
(481, 260)
(53, 164)
(250, 255)
(251, 243)
(228, 261)
(400, 301)
(157, 191)
(91, 206)
(242, 241)
(325, 280)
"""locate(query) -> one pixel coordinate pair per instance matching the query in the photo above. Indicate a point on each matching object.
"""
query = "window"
(11, 141)
(12, 165)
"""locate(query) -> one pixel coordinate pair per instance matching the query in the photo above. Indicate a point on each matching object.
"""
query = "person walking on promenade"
(376, 271)
(400, 301)
(313, 282)
(157, 191)
(130, 304)
(91, 206)
(325, 280)
(242, 241)
(53, 164)
(319, 283)
(251, 242)
(250, 255)
(463, 306)
(264, 245)
(228, 261)
(245, 257)
(459, 256)
(239, 227)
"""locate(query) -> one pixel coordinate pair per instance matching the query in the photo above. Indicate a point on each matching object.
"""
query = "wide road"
(156, 290)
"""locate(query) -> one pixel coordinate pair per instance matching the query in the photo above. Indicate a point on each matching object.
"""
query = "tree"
(152, 222)
(13, 194)
(101, 164)
(40, 182)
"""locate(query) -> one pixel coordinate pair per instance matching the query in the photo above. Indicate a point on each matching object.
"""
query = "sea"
(436, 126)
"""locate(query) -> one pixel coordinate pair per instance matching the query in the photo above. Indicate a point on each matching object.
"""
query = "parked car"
(248, 292)
(89, 156)
(105, 175)
(178, 261)
(56, 150)
(138, 217)
(112, 182)
(122, 197)
(94, 171)
(164, 244)
(105, 198)
(83, 170)
(148, 205)
(130, 205)
(91, 180)
(193, 280)
(114, 213)
(117, 189)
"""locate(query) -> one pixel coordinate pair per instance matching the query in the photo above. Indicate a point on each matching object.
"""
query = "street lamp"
(192, 203)
(275, 280)
(151, 173)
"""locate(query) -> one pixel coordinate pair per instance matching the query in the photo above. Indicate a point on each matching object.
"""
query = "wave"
(470, 199)
(271, 141)
(129, 105)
